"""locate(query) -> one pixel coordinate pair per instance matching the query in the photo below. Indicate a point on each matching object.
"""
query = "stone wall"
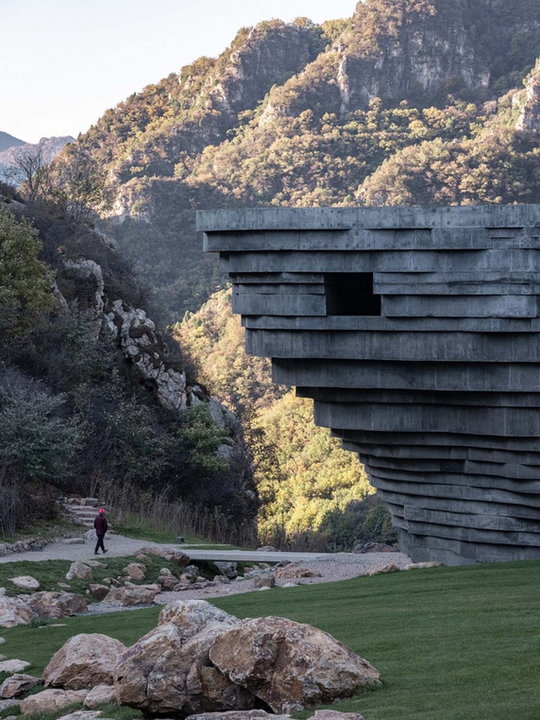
(415, 331)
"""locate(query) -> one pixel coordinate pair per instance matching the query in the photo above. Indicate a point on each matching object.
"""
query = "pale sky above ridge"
(64, 62)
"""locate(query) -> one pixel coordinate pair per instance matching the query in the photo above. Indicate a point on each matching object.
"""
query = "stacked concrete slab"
(415, 331)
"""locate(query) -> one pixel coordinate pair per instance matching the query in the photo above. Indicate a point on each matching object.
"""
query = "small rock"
(372, 547)
(14, 666)
(385, 569)
(99, 591)
(63, 585)
(422, 565)
(26, 582)
(264, 581)
(50, 604)
(18, 684)
(135, 571)
(223, 580)
(133, 595)
(335, 715)
(100, 695)
(83, 715)
(167, 582)
(238, 715)
(165, 571)
(50, 701)
(14, 611)
(11, 703)
(292, 570)
(96, 563)
(79, 571)
(229, 569)
(142, 556)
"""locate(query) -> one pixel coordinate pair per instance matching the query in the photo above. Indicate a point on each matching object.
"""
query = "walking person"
(101, 526)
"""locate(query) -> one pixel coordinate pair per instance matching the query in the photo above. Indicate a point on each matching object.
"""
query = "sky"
(64, 62)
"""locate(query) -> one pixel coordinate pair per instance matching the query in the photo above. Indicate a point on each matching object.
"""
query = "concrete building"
(415, 331)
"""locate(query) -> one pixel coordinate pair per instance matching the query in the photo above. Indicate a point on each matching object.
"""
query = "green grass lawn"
(451, 643)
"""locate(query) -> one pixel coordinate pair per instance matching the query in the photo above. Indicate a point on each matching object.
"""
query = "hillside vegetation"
(84, 408)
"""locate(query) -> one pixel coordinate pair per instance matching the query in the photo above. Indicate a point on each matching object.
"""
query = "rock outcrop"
(529, 117)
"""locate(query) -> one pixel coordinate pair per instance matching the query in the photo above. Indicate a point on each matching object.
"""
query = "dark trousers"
(99, 543)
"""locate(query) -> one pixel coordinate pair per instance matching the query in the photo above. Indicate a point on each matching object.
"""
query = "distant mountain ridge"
(8, 141)
(305, 114)
(49, 147)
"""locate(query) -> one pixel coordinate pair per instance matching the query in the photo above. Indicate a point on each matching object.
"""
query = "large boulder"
(17, 685)
(163, 674)
(50, 701)
(79, 571)
(84, 661)
(132, 595)
(14, 611)
(290, 665)
(192, 616)
(56, 604)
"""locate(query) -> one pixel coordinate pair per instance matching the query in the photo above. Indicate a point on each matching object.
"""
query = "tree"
(25, 281)
(32, 173)
(37, 445)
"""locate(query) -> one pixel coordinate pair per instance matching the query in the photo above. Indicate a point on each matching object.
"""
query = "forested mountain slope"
(300, 114)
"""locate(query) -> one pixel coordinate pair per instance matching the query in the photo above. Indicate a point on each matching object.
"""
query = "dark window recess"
(351, 294)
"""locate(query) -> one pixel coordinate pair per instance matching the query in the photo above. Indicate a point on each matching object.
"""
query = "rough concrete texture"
(415, 331)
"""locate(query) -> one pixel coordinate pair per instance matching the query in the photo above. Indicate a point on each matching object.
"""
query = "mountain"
(305, 114)
(46, 148)
(8, 141)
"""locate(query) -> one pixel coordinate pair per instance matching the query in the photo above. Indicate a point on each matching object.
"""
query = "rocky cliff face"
(529, 117)
(418, 50)
(146, 353)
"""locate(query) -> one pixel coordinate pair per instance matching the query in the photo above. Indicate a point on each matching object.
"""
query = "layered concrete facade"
(416, 332)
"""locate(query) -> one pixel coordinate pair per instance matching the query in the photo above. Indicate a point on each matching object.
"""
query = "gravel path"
(334, 567)
(331, 567)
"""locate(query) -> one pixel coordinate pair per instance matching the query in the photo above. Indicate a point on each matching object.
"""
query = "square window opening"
(351, 294)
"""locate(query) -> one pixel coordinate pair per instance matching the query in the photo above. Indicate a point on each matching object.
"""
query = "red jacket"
(101, 525)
